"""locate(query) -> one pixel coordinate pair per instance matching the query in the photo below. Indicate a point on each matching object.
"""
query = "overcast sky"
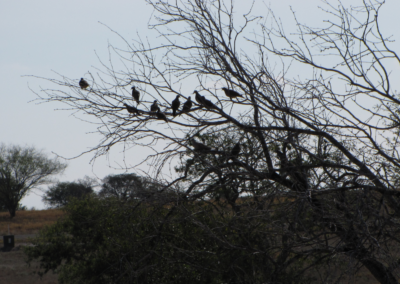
(42, 37)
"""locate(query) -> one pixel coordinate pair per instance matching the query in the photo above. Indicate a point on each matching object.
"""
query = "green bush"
(106, 241)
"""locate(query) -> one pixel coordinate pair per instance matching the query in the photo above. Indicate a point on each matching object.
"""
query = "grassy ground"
(14, 270)
(13, 266)
(27, 222)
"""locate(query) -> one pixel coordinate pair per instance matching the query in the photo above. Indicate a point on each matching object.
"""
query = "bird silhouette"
(154, 107)
(187, 105)
(231, 93)
(208, 104)
(204, 102)
(161, 115)
(131, 109)
(135, 94)
(83, 84)
(175, 105)
(235, 150)
(199, 146)
(199, 98)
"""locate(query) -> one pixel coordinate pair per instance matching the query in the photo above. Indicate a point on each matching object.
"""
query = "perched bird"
(208, 104)
(231, 93)
(199, 98)
(83, 84)
(204, 102)
(187, 105)
(131, 109)
(161, 115)
(175, 105)
(154, 107)
(235, 150)
(135, 94)
(199, 146)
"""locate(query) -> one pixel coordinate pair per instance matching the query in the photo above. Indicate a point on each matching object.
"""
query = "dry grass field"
(27, 222)
(13, 266)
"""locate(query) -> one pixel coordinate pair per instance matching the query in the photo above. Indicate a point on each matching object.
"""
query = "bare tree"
(319, 153)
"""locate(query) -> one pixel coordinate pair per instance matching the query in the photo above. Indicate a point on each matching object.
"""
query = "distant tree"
(128, 187)
(22, 169)
(62, 193)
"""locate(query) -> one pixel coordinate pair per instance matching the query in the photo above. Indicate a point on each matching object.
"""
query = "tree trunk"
(379, 271)
(354, 249)
(12, 210)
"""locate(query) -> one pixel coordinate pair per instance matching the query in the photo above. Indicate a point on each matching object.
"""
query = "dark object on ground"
(8, 242)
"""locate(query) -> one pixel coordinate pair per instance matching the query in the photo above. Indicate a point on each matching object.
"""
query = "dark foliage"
(106, 241)
(62, 193)
(127, 187)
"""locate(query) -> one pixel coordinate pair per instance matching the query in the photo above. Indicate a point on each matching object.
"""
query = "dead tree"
(319, 154)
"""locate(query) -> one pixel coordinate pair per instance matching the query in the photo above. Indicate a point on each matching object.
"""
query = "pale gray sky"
(44, 36)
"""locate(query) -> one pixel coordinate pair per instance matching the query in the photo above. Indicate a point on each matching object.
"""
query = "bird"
(199, 98)
(135, 94)
(154, 107)
(199, 146)
(187, 105)
(204, 102)
(231, 93)
(131, 109)
(161, 115)
(208, 104)
(235, 150)
(175, 105)
(83, 84)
